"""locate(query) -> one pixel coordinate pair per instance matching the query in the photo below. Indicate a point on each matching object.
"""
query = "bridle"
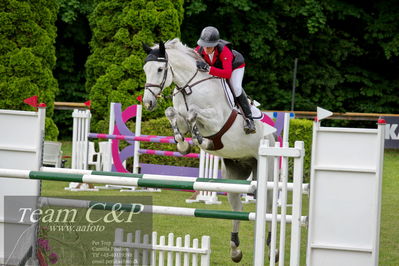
(184, 90)
(161, 86)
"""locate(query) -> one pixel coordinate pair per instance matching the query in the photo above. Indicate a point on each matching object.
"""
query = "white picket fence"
(141, 250)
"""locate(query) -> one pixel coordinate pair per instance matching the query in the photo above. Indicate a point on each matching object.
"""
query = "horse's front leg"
(196, 116)
(179, 127)
(235, 202)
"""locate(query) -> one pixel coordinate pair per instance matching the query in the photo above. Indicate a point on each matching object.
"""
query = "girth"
(217, 138)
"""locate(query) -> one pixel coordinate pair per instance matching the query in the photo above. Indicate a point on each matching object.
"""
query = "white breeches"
(236, 80)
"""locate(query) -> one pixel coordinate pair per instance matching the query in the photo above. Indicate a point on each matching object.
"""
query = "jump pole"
(270, 185)
(140, 180)
(163, 210)
(143, 138)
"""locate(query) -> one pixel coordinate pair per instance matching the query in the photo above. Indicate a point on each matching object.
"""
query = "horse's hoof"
(236, 255)
(179, 138)
(195, 141)
(184, 147)
(208, 145)
(276, 255)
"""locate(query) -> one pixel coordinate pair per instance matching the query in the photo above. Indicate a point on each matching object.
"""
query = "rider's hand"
(202, 66)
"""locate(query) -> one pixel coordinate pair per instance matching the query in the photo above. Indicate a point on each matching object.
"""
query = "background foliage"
(114, 67)
(347, 50)
(72, 50)
(27, 56)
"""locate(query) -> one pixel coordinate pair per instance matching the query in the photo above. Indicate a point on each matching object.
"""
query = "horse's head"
(157, 73)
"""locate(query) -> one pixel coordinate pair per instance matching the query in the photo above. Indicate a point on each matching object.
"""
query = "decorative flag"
(32, 101)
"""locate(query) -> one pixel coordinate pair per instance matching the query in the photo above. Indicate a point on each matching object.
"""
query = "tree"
(347, 50)
(114, 70)
(27, 56)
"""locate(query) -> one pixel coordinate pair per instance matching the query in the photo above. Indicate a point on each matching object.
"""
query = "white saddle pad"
(256, 113)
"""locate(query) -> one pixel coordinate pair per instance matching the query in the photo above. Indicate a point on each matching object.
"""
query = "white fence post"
(297, 193)
(269, 156)
(136, 157)
(80, 142)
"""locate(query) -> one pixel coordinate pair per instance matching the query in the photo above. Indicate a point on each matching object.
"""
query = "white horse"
(200, 107)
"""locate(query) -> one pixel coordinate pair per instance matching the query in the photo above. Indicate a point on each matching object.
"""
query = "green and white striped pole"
(305, 187)
(139, 180)
(163, 210)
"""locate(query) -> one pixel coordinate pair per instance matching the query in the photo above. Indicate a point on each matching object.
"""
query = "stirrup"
(249, 127)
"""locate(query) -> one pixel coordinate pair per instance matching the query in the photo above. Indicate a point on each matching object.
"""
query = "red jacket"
(222, 64)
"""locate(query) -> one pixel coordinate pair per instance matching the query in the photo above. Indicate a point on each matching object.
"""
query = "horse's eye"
(160, 69)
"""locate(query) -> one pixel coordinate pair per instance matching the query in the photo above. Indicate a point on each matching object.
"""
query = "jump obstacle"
(208, 164)
(343, 221)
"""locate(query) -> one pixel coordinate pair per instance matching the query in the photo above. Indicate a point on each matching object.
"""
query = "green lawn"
(389, 239)
(219, 230)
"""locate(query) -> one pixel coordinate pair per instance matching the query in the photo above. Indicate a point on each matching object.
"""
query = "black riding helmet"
(209, 37)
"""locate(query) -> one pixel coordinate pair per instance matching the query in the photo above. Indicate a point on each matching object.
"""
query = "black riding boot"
(249, 126)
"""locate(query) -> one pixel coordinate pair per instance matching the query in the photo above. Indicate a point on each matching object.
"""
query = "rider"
(223, 62)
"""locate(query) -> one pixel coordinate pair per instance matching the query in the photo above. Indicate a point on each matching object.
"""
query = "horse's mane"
(178, 45)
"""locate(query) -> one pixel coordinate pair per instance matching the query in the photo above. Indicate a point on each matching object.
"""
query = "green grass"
(219, 230)
(389, 238)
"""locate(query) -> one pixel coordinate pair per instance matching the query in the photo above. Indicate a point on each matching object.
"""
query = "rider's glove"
(202, 66)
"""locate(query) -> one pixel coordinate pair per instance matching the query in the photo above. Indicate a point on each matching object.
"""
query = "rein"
(185, 92)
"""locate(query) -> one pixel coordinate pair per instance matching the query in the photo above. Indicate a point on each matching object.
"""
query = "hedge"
(27, 56)
(302, 129)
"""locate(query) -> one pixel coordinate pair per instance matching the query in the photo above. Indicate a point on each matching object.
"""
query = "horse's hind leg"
(178, 124)
(236, 205)
(233, 169)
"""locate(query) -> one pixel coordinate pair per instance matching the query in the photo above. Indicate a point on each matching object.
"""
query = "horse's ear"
(161, 49)
(147, 48)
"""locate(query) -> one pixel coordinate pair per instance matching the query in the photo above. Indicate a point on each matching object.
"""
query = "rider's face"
(209, 50)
